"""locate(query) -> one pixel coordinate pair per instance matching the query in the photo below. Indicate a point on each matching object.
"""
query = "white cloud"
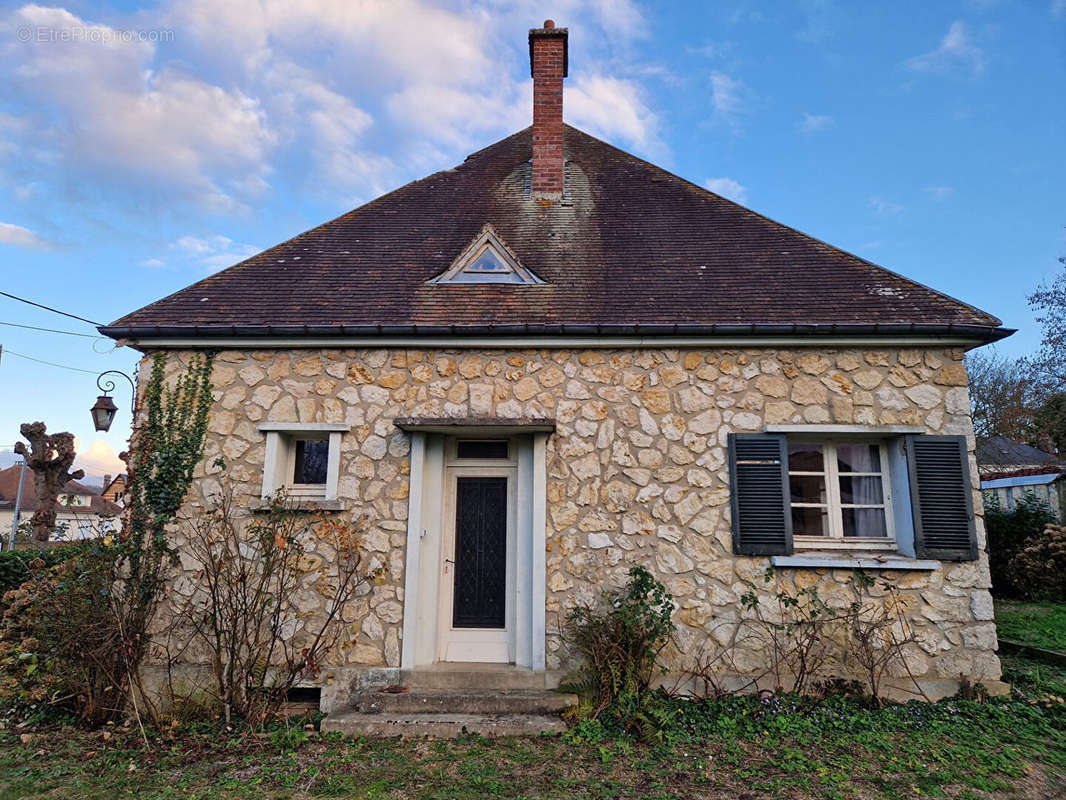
(21, 237)
(727, 187)
(99, 459)
(611, 106)
(107, 110)
(358, 96)
(727, 97)
(939, 192)
(956, 49)
(885, 208)
(214, 252)
(153, 263)
(813, 123)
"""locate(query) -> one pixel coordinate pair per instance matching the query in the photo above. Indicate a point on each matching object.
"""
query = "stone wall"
(637, 470)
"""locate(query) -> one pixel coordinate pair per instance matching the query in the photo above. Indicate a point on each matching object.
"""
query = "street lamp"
(104, 410)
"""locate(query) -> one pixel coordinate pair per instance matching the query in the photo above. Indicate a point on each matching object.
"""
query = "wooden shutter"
(942, 498)
(762, 516)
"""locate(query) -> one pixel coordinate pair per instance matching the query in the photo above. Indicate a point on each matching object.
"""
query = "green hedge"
(13, 563)
(1008, 532)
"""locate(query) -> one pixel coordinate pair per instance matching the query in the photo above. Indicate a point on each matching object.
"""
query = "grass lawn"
(741, 748)
(1037, 624)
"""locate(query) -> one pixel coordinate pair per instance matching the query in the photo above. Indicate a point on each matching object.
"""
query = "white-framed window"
(302, 460)
(840, 494)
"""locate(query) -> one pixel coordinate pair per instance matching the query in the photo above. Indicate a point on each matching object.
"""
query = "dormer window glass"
(487, 260)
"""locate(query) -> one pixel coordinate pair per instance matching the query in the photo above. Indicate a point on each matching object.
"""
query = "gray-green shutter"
(762, 516)
(942, 498)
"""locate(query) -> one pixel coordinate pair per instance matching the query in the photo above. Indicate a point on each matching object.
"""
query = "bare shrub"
(794, 640)
(878, 634)
(244, 606)
(792, 631)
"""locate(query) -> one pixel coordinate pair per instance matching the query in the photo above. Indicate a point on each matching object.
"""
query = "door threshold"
(471, 666)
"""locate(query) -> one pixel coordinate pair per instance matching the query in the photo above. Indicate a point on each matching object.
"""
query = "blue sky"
(145, 146)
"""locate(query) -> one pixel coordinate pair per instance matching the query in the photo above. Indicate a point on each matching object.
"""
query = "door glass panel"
(480, 553)
(481, 448)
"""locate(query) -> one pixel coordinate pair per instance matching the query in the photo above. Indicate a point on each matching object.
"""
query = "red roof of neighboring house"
(1021, 473)
(9, 484)
(631, 249)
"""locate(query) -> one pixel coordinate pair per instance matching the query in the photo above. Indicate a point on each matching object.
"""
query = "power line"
(49, 363)
(53, 310)
(51, 330)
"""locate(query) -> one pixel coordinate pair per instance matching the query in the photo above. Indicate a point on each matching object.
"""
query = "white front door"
(478, 563)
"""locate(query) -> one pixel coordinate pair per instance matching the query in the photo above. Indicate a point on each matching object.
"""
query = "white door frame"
(476, 644)
(423, 581)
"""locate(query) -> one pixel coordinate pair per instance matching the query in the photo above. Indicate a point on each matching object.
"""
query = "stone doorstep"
(460, 676)
(507, 702)
(444, 726)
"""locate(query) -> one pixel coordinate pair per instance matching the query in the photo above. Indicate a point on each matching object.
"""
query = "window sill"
(301, 505)
(841, 561)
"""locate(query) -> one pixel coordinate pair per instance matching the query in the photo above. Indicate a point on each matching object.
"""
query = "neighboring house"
(1011, 471)
(1046, 484)
(81, 512)
(556, 361)
(1000, 454)
(115, 489)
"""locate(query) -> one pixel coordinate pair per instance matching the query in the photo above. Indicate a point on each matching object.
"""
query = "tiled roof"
(9, 483)
(1001, 450)
(631, 246)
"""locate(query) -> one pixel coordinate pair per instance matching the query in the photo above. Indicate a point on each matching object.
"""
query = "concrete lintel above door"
(495, 426)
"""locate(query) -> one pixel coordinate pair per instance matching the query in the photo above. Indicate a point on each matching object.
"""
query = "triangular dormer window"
(487, 260)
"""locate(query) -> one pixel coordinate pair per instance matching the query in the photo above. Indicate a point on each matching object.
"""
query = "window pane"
(864, 491)
(809, 521)
(858, 458)
(805, 457)
(487, 262)
(807, 488)
(864, 522)
(475, 448)
(311, 458)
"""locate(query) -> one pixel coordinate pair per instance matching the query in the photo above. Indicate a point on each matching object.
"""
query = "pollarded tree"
(50, 456)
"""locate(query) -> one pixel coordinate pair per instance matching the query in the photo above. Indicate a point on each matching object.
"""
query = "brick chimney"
(547, 64)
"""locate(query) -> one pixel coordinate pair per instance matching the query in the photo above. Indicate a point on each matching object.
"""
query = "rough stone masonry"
(637, 470)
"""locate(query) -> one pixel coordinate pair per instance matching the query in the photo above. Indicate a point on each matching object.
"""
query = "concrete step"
(443, 726)
(456, 675)
(465, 701)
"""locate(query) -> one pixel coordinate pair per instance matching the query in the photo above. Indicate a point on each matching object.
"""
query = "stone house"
(555, 361)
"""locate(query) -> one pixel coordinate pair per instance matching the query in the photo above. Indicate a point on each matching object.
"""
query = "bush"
(1007, 535)
(249, 578)
(60, 646)
(13, 563)
(621, 643)
(1040, 565)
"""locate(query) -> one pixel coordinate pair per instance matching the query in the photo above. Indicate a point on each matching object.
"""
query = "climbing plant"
(86, 622)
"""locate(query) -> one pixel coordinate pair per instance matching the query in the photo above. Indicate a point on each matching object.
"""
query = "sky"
(145, 146)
